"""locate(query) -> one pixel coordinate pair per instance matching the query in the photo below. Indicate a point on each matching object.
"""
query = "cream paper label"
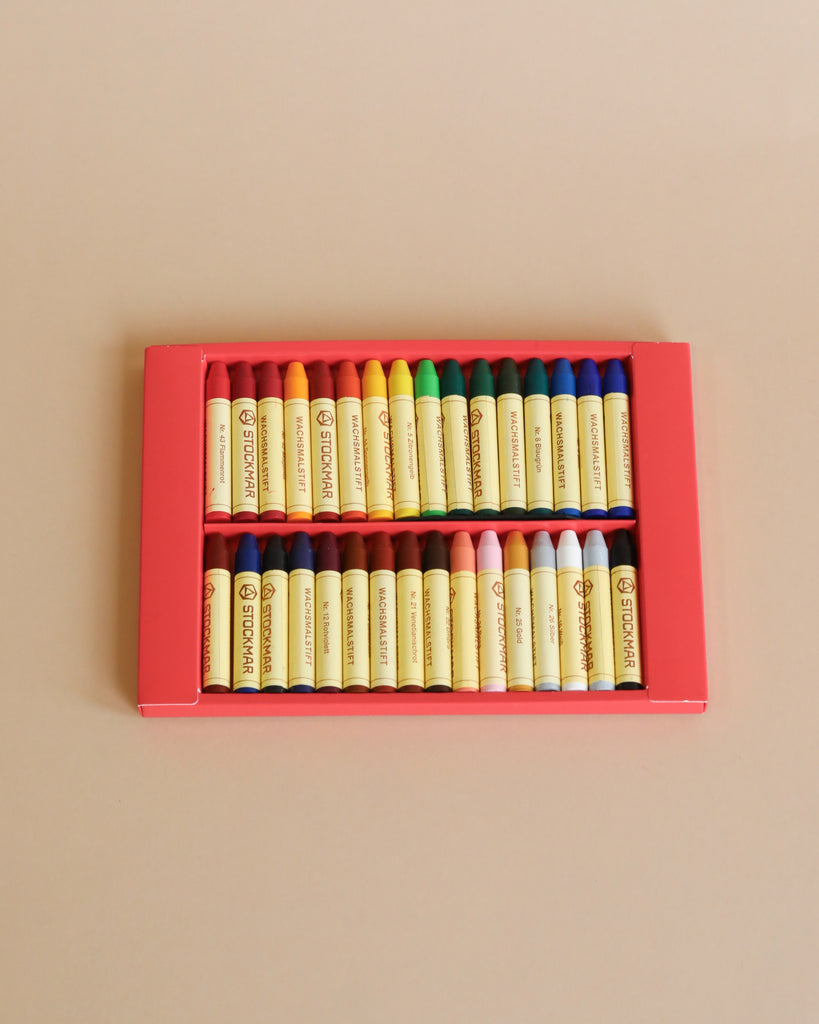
(298, 460)
(599, 633)
(518, 618)
(383, 630)
(545, 648)
(325, 456)
(571, 628)
(218, 457)
(216, 629)
(247, 613)
(328, 629)
(627, 664)
(618, 449)
(565, 451)
(537, 422)
(353, 497)
(437, 629)
(302, 586)
(483, 426)
(275, 640)
(377, 457)
(593, 487)
(491, 630)
(355, 597)
(431, 459)
(511, 456)
(404, 456)
(271, 456)
(245, 481)
(409, 596)
(464, 601)
(457, 453)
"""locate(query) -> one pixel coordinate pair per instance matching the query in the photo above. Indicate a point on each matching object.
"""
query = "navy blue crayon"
(247, 616)
(617, 417)
(593, 501)
(565, 448)
(302, 601)
(275, 639)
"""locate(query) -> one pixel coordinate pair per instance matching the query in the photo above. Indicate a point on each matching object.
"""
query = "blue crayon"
(565, 447)
(247, 616)
(302, 601)
(617, 418)
(593, 501)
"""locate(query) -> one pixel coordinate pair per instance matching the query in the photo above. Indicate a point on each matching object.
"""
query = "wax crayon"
(511, 453)
(301, 594)
(628, 672)
(517, 596)
(409, 584)
(599, 629)
(537, 430)
(218, 453)
(247, 615)
(565, 447)
(324, 444)
(571, 613)
(243, 414)
(431, 459)
(491, 613)
(350, 422)
(457, 443)
(545, 647)
(437, 615)
(617, 417)
(275, 630)
(383, 626)
(464, 604)
(272, 498)
(377, 452)
(483, 426)
(406, 493)
(216, 617)
(297, 454)
(355, 596)
(328, 615)
(593, 502)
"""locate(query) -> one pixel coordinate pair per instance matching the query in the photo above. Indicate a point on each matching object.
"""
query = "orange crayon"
(297, 457)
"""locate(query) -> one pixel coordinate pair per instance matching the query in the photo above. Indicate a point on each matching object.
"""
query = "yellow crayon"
(377, 452)
(406, 492)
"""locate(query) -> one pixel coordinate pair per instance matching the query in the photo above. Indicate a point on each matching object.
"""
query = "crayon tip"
(408, 552)
(536, 380)
(489, 554)
(427, 384)
(452, 379)
(218, 382)
(515, 552)
(301, 552)
(595, 551)
(374, 382)
(275, 556)
(568, 554)
(542, 555)
(217, 555)
(295, 382)
(462, 553)
(321, 381)
(382, 555)
(588, 379)
(436, 555)
(481, 381)
(623, 551)
(563, 382)
(614, 378)
(242, 381)
(328, 555)
(269, 381)
(509, 378)
(355, 553)
(248, 558)
(400, 382)
(348, 383)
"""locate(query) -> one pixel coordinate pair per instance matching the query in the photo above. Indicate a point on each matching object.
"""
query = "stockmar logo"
(247, 592)
(247, 417)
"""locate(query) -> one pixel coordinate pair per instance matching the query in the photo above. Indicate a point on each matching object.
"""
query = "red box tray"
(666, 528)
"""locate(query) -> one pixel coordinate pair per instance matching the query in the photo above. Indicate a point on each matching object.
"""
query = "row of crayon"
(324, 448)
(411, 619)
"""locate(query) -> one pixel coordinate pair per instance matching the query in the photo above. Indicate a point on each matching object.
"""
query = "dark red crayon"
(323, 389)
(408, 557)
(243, 386)
(436, 556)
(350, 439)
(382, 558)
(217, 619)
(269, 384)
(328, 609)
(355, 597)
(217, 471)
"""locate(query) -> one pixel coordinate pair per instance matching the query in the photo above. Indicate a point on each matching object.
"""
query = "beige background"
(366, 169)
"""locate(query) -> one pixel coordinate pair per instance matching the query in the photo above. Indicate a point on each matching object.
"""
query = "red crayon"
(409, 585)
(272, 502)
(218, 453)
(352, 495)
(355, 616)
(245, 470)
(216, 617)
(324, 444)
(383, 624)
